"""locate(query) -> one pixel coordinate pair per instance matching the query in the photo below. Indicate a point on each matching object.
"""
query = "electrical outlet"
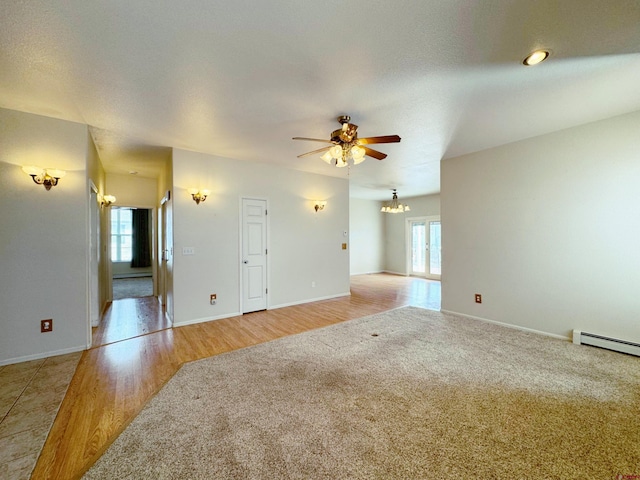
(46, 325)
(478, 298)
(313, 284)
(212, 298)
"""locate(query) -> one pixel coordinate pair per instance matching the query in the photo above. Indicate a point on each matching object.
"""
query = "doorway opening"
(134, 309)
(131, 252)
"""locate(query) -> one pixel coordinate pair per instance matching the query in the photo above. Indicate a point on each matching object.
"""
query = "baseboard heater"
(584, 338)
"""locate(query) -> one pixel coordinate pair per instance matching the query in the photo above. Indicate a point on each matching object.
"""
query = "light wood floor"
(113, 382)
(127, 318)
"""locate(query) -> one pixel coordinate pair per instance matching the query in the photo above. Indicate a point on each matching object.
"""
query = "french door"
(424, 247)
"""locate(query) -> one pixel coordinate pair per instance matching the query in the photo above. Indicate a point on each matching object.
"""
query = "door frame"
(93, 264)
(162, 255)
(240, 249)
(426, 219)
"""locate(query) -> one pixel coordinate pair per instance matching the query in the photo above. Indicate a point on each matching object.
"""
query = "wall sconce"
(44, 176)
(107, 200)
(198, 195)
(319, 205)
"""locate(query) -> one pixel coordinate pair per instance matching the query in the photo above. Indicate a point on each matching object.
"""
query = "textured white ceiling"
(240, 79)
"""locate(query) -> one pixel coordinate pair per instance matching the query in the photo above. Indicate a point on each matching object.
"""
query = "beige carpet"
(409, 394)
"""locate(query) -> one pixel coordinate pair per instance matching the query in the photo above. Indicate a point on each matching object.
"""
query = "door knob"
(246, 261)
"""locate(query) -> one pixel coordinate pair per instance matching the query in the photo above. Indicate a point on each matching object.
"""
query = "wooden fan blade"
(375, 153)
(312, 139)
(320, 150)
(382, 139)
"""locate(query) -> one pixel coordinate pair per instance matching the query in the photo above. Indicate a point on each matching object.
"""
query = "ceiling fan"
(345, 145)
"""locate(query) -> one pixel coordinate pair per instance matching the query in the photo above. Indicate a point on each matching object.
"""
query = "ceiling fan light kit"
(346, 147)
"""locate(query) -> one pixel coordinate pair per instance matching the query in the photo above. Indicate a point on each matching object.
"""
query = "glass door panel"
(418, 248)
(435, 249)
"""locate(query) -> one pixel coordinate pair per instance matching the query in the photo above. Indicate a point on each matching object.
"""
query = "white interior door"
(424, 250)
(254, 255)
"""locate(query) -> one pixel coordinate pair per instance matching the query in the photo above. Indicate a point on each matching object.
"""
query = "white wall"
(366, 236)
(132, 190)
(43, 238)
(548, 230)
(395, 229)
(304, 246)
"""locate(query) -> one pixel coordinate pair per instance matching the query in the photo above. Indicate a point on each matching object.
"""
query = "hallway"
(128, 318)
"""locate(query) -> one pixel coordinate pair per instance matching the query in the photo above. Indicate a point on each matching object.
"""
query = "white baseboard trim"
(367, 273)
(272, 307)
(329, 297)
(205, 319)
(38, 356)
(509, 325)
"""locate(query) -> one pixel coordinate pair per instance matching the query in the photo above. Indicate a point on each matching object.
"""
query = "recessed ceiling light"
(536, 57)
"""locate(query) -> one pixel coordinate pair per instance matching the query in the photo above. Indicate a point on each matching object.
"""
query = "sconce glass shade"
(107, 200)
(55, 173)
(31, 170)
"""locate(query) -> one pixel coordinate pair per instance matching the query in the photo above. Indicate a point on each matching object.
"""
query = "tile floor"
(30, 396)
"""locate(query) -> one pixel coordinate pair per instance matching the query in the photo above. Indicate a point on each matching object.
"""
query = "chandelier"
(394, 206)
(344, 152)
